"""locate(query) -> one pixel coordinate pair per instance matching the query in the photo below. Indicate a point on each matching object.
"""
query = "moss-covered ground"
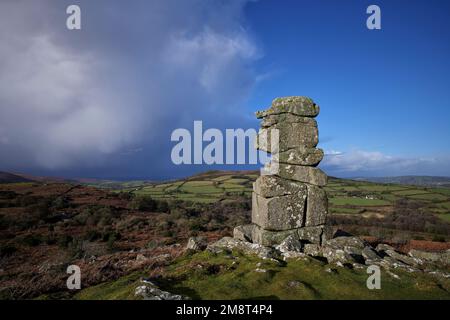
(237, 276)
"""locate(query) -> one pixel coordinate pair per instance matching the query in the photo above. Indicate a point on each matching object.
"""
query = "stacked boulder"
(291, 202)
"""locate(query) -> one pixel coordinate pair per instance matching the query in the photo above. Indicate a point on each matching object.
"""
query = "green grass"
(445, 205)
(358, 202)
(236, 180)
(444, 216)
(333, 186)
(340, 210)
(438, 210)
(201, 189)
(429, 196)
(197, 183)
(351, 188)
(389, 197)
(174, 186)
(409, 192)
(147, 192)
(196, 198)
(222, 178)
(231, 186)
(381, 187)
(163, 186)
(443, 191)
(220, 276)
(121, 289)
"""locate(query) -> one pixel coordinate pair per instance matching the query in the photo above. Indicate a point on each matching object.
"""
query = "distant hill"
(428, 181)
(6, 177)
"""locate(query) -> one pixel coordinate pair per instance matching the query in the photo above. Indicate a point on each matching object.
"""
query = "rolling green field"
(356, 197)
(202, 189)
(355, 201)
(346, 197)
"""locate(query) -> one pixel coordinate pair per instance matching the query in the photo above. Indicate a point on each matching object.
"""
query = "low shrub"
(31, 240)
(7, 250)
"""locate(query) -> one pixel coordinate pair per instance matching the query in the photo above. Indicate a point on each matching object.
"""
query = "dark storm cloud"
(107, 97)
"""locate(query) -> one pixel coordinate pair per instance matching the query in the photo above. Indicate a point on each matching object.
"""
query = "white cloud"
(358, 162)
(210, 54)
(332, 152)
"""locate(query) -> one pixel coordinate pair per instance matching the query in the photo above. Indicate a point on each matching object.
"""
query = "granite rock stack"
(291, 202)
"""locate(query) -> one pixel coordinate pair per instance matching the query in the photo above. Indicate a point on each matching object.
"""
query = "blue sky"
(381, 90)
(102, 101)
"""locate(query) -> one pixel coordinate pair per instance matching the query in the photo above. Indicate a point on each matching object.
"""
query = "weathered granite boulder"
(271, 238)
(313, 250)
(272, 120)
(344, 250)
(328, 233)
(317, 206)
(290, 203)
(278, 204)
(302, 156)
(370, 255)
(290, 244)
(301, 106)
(337, 256)
(291, 248)
(403, 258)
(290, 136)
(279, 213)
(149, 291)
(310, 175)
(436, 257)
(273, 186)
(382, 247)
(349, 243)
(244, 232)
(311, 234)
(196, 244)
(388, 262)
(228, 243)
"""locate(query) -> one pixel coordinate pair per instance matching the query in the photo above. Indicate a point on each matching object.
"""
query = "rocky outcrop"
(290, 203)
(228, 244)
(436, 257)
(290, 207)
(196, 244)
(149, 291)
(345, 251)
(243, 233)
(290, 244)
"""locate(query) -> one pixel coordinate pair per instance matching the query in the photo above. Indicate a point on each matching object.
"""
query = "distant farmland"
(349, 199)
